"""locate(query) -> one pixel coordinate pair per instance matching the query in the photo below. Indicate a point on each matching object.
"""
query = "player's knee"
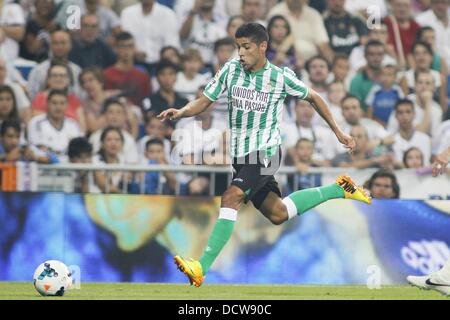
(233, 197)
(279, 214)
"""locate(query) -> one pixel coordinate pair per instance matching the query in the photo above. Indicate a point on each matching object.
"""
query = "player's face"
(250, 53)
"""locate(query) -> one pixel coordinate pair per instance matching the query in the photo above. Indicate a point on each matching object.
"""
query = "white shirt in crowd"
(42, 133)
(428, 18)
(409, 75)
(129, 153)
(115, 176)
(187, 88)
(435, 116)
(378, 7)
(142, 150)
(441, 139)
(203, 36)
(182, 8)
(11, 14)
(326, 145)
(419, 140)
(153, 31)
(374, 130)
(357, 60)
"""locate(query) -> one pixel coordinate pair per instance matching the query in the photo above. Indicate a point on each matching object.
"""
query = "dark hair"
(372, 43)
(109, 102)
(254, 31)
(316, 57)
(63, 65)
(56, 92)
(224, 42)
(14, 114)
(165, 64)
(421, 31)
(10, 123)
(96, 72)
(423, 44)
(403, 101)
(232, 18)
(123, 36)
(339, 56)
(405, 154)
(105, 131)
(78, 146)
(349, 96)
(386, 173)
(153, 141)
(417, 73)
(303, 140)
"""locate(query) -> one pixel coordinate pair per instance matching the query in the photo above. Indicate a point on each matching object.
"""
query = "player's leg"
(439, 281)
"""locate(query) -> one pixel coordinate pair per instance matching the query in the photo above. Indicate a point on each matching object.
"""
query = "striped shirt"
(255, 101)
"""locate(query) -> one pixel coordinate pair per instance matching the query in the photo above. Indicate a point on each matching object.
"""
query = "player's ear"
(263, 46)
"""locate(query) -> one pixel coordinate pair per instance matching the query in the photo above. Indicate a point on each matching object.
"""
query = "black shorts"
(254, 175)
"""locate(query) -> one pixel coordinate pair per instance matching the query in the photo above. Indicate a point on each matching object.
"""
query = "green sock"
(309, 198)
(219, 237)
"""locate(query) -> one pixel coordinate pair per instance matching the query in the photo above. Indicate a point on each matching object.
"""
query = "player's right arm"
(441, 162)
(193, 108)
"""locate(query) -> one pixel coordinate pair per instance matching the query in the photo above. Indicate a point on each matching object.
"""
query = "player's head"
(251, 40)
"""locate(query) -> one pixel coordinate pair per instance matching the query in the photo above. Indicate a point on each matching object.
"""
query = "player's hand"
(347, 140)
(170, 114)
(440, 163)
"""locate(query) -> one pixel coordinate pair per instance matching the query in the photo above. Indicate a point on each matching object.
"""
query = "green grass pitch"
(155, 291)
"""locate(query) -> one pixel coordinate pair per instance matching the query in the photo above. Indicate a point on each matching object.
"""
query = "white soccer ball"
(52, 278)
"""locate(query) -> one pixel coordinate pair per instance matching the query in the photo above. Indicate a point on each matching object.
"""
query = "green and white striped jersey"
(255, 102)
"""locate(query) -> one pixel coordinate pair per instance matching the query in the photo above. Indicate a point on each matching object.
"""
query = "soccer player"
(256, 91)
(440, 280)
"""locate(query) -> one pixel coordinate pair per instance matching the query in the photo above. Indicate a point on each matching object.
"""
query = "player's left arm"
(323, 110)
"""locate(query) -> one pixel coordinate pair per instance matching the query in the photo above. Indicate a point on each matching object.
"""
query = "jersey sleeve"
(218, 84)
(294, 86)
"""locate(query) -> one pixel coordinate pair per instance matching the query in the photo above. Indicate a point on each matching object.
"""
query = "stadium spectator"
(428, 114)
(383, 96)
(51, 132)
(407, 136)
(116, 115)
(80, 151)
(123, 75)
(359, 8)
(13, 147)
(379, 33)
(220, 11)
(362, 157)
(422, 55)
(318, 74)
(281, 49)
(441, 139)
(22, 101)
(428, 35)
(233, 24)
(200, 31)
(8, 104)
(59, 78)
(223, 50)
(365, 79)
(166, 97)
(111, 152)
(197, 186)
(345, 31)
(108, 20)
(323, 139)
(154, 129)
(383, 185)
(36, 41)
(402, 29)
(353, 115)
(340, 69)
(190, 78)
(252, 11)
(172, 54)
(60, 46)
(91, 50)
(413, 158)
(92, 82)
(335, 93)
(438, 17)
(304, 149)
(307, 27)
(153, 26)
(12, 29)
(155, 154)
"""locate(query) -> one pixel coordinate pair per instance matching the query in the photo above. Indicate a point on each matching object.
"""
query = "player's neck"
(261, 64)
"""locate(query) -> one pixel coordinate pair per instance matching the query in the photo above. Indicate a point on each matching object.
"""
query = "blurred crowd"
(83, 81)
